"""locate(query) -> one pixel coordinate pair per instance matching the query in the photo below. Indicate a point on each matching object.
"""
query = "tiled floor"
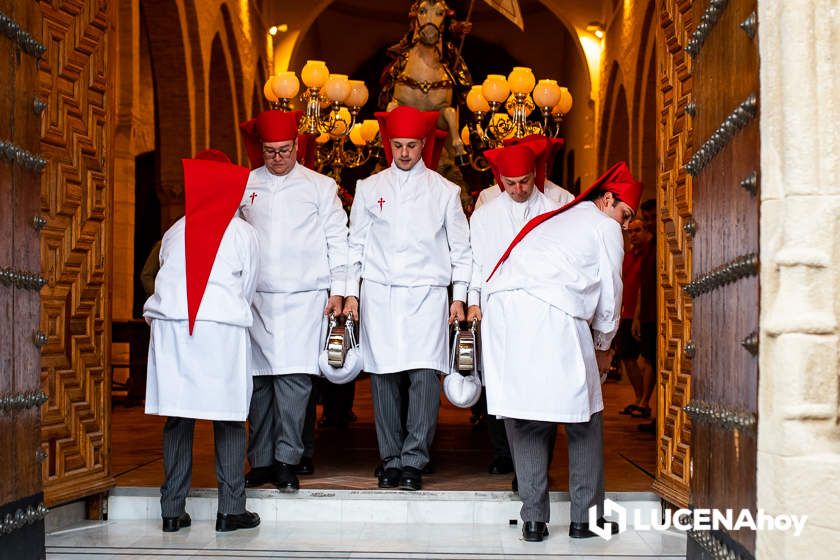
(144, 539)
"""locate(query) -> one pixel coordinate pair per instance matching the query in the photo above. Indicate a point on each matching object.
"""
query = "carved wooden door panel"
(21, 499)
(674, 186)
(77, 83)
(724, 163)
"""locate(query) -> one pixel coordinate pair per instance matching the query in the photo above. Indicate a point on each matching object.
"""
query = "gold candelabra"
(331, 105)
(519, 94)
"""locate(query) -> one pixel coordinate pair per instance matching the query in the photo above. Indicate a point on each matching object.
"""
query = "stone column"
(799, 437)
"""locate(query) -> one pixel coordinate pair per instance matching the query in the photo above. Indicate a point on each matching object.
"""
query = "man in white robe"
(303, 235)
(492, 228)
(200, 348)
(409, 241)
(544, 164)
(553, 307)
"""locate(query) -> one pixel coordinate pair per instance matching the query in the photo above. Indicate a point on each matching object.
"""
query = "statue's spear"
(464, 36)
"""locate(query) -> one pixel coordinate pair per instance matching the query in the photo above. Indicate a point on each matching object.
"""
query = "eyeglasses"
(271, 153)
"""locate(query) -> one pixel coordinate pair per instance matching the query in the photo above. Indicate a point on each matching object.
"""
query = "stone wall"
(628, 64)
(799, 437)
(167, 67)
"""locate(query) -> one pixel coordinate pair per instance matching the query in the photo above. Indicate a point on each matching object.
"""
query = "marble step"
(383, 506)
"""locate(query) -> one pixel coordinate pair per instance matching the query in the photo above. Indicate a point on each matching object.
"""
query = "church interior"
(237, 69)
(685, 91)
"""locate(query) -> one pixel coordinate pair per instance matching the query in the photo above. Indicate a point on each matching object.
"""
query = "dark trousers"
(229, 441)
(411, 449)
(532, 444)
(277, 417)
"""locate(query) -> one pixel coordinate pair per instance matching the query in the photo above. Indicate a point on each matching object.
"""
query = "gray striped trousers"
(281, 419)
(229, 441)
(412, 450)
(531, 443)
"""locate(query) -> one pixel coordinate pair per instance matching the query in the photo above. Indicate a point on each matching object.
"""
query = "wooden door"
(77, 82)
(21, 498)
(724, 164)
(674, 186)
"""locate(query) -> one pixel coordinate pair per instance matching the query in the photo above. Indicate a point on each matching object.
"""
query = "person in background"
(645, 321)
(626, 344)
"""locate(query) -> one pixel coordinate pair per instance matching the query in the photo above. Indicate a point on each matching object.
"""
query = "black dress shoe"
(258, 476)
(172, 524)
(306, 466)
(514, 485)
(412, 479)
(534, 531)
(379, 470)
(286, 480)
(233, 521)
(581, 530)
(501, 465)
(390, 478)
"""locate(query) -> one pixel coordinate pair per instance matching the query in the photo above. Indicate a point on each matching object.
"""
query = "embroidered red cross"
(381, 201)
(253, 196)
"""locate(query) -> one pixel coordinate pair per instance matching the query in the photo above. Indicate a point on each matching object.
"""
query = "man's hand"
(334, 305)
(604, 359)
(351, 305)
(636, 329)
(456, 311)
(473, 313)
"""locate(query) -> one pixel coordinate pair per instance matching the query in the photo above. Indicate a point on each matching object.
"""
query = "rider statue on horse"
(427, 71)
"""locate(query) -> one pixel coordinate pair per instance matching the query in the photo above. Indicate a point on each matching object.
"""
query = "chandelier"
(519, 95)
(324, 96)
(331, 105)
(336, 151)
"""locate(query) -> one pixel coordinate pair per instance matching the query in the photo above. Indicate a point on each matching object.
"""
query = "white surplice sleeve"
(608, 310)
(458, 237)
(250, 253)
(334, 218)
(360, 223)
(477, 278)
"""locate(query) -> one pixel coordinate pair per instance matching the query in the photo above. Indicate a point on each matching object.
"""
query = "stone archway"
(615, 122)
(222, 126)
(174, 81)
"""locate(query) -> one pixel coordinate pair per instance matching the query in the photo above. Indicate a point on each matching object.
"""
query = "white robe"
(553, 191)
(560, 286)
(303, 236)
(205, 375)
(492, 228)
(409, 240)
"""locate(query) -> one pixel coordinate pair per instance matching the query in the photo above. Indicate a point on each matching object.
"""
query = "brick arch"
(258, 101)
(647, 169)
(641, 118)
(235, 60)
(222, 126)
(614, 144)
(174, 79)
(294, 61)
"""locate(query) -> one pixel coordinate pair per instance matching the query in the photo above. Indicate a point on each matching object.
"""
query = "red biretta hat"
(617, 180)
(276, 126)
(545, 159)
(408, 122)
(517, 160)
(213, 189)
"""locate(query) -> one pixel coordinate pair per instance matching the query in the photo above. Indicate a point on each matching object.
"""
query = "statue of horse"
(427, 71)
